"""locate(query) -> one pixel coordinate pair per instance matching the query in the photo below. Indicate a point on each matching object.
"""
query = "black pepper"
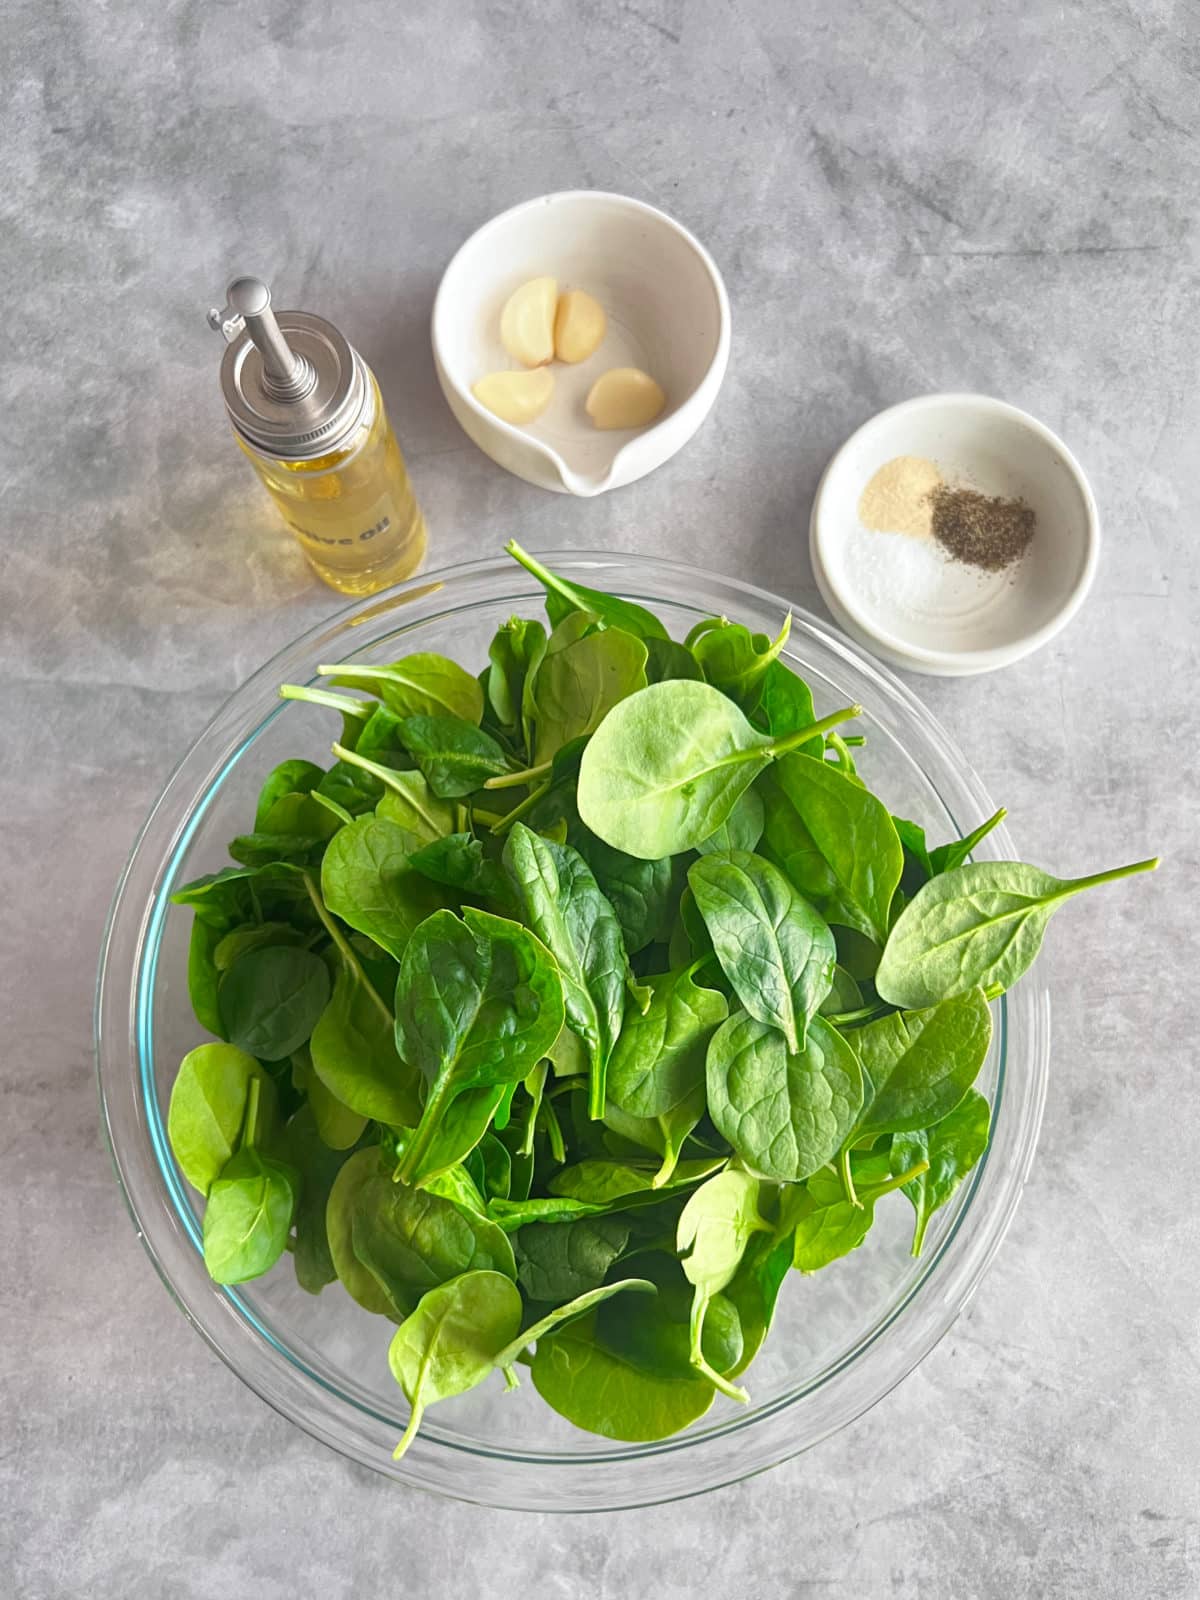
(981, 530)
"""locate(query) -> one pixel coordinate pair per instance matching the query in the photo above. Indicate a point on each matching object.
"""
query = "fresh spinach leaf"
(922, 863)
(666, 658)
(354, 1054)
(917, 866)
(785, 704)
(457, 1184)
(715, 1227)
(490, 1165)
(563, 597)
(920, 1064)
(299, 816)
(562, 903)
(665, 1134)
(517, 646)
(656, 1094)
(451, 1341)
(265, 849)
(854, 834)
(753, 1292)
(948, 856)
(788, 843)
(207, 1109)
(463, 1124)
(844, 995)
(368, 881)
(203, 976)
(381, 741)
(359, 1282)
(248, 1216)
(952, 1148)
(409, 802)
(254, 936)
(577, 685)
(289, 777)
(270, 1000)
(459, 861)
(785, 1113)
(422, 685)
(226, 898)
(644, 894)
(979, 924)
(478, 1002)
(411, 1240)
(596, 1182)
(552, 1210)
(655, 1334)
(339, 1127)
(857, 954)
(735, 660)
(776, 951)
(828, 1225)
(308, 1154)
(741, 830)
(659, 1058)
(690, 942)
(559, 1260)
(455, 757)
(351, 788)
(598, 1389)
(667, 765)
(359, 783)
(561, 1315)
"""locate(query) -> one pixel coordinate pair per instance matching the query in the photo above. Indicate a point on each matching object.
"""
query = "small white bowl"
(667, 310)
(899, 595)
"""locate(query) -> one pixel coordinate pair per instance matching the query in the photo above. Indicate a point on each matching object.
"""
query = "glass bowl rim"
(608, 1478)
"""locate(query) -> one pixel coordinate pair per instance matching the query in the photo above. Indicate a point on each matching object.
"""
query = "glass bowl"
(841, 1339)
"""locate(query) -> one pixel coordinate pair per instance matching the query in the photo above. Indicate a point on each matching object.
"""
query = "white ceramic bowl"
(667, 311)
(899, 596)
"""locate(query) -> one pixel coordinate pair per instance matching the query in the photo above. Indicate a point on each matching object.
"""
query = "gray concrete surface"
(904, 195)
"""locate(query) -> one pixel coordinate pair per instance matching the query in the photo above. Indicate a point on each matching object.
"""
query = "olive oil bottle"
(307, 412)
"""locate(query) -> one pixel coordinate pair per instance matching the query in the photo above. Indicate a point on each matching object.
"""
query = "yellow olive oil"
(307, 412)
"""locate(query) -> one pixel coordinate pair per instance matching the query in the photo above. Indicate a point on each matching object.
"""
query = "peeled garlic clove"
(515, 396)
(579, 325)
(527, 322)
(625, 397)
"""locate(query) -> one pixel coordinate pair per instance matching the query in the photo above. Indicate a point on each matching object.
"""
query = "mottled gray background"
(904, 195)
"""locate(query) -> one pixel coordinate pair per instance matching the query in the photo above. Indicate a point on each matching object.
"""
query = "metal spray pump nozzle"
(286, 376)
